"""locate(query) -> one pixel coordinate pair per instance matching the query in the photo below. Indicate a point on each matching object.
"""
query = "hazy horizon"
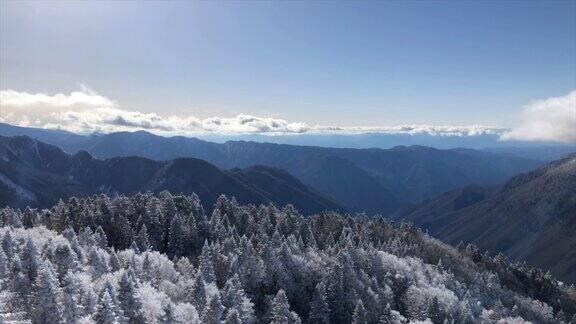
(186, 68)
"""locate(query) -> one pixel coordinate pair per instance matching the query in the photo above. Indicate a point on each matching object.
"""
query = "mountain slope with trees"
(162, 259)
(38, 174)
(531, 217)
(383, 179)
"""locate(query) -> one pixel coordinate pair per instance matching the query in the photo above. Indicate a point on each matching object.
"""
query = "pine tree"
(251, 269)
(515, 311)
(47, 307)
(88, 298)
(341, 292)
(29, 217)
(434, 312)
(561, 316)
(12, 219)
(3, 267)
(175, 238)
(213, 310)
(281, 313)
(386, 316)
(198, 294)
(129, 298)
(360, 316)
(319, 310)
(98, 262)
(142, 239)
(111, 290)
(233, 317)
(308, 236)
(235, 298)
(86, 238)
(64, 259)
(134, 247)
(114, 261)
(169, 315)
(72, 310)
(154, 218)
(220, 264)
(120, 232)
(8, 244)
(147, 273)
(70, 235)
(206, 268)
(18, 282)
(105, 310)
(101, 238)
(30, 259)
(184, 267)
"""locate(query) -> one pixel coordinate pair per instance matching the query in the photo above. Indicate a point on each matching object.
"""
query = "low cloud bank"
(86, 111)
(552, 119)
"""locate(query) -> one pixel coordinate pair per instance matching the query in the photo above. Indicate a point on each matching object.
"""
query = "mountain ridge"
(39, 174)
(384, 181)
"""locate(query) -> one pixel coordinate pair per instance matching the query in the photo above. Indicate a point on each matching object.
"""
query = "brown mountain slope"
(531, 217)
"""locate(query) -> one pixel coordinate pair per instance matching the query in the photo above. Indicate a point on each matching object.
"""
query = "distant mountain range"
(363, 180)
(531, 217)
(37, 174)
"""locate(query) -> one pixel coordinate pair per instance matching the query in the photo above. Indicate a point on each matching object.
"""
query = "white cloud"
(552, 119)
(83, 97)
(86, 111)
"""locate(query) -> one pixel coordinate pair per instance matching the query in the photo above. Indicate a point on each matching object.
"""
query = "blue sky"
(379, 63)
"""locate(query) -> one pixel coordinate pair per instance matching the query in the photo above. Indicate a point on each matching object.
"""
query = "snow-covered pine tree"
(234, 298)
(340, 290)
(176, 238)
(198, 293)
(72, 308)
(154, 218)
(19, 285)
(8, 243)
(70, 235)
(169, 315)
(319, 311)
(98, 262)
(281, 313)
(434, 311)
(105, 312)
(3, 267)
(251, 269)
(386, 317)
(232, 317)
(213, 310)
(360, 316)
(142, 239)
(114, 261)
(129, 298)
(101, 238)
(206, 269)
(30, 258)
(46, 297)
(64, 259)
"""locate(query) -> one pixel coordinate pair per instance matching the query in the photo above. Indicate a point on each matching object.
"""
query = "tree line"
(162, 259)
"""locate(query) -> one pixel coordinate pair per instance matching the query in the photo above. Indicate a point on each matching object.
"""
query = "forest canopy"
(162, 259)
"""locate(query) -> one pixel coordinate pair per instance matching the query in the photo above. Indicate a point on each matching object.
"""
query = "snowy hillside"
(160, 259)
